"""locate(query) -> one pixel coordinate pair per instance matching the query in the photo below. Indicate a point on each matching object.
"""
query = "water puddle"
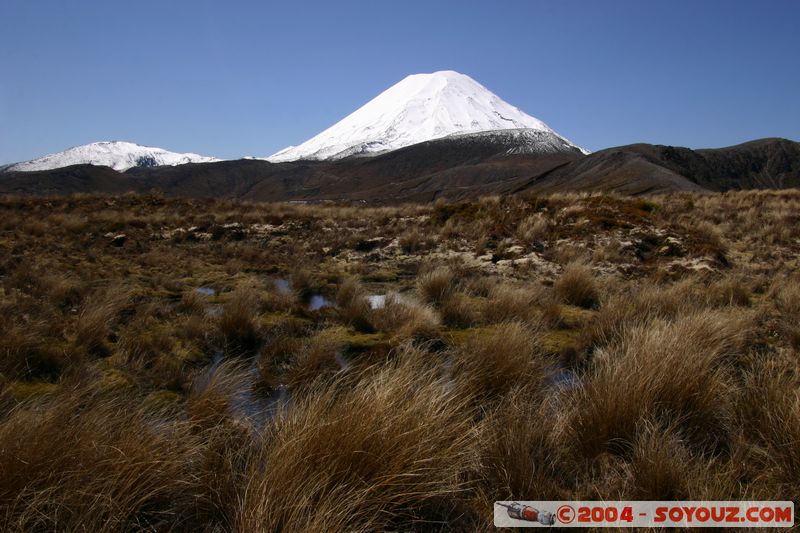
(246, 403)
(317, 302)
(342, 361)
(283, 286)
(206, 291)
(564, 379)
(258, 408)
(276, 402)
(377, 301)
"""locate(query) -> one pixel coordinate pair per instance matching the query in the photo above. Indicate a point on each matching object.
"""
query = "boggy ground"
(205, 365)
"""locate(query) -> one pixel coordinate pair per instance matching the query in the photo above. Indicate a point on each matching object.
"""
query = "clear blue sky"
(248, 78)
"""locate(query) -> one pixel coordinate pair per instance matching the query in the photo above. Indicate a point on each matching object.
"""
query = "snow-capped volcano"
(421, 107)
(118, 155)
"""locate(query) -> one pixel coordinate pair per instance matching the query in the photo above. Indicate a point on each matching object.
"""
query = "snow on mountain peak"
(119, 155)
(419, 108)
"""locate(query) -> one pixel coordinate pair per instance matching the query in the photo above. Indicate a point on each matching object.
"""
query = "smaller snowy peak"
(118, 155)
(419, 108)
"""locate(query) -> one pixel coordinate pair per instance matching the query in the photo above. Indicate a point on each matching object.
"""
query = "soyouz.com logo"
(644, 514)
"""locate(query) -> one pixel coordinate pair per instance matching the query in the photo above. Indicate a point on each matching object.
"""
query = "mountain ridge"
(460, 167)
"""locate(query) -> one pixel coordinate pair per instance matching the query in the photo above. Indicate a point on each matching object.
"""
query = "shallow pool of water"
(342, 361)
(377, 301)
(283, 286)
(564, 379)
(317, 302)
(206, 291)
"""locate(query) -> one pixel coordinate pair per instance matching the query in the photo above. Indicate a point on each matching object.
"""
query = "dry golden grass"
(460, 311)
(669, 371)
(770, 411)
(499, 359)
(315, 357)
(92, 328)
(502, 365)
(407, 318)
(437, 285)
(577, 286)
(366, 456)
(353, 305)
(533, 228)
(506, 303)
(93, 463)
(522, 453)
(237, 323)
(414, 241)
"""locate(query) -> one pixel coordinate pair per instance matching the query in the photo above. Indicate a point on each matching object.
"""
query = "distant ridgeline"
(452, 167)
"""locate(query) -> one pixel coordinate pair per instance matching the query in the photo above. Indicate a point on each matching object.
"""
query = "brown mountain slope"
(67, 180)
(647, 168)
(455, 168)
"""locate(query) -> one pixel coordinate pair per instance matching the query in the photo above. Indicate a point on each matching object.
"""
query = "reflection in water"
(341, 360)
(317, 302)
(283, 286)
(377, 301)
(245, 402)
(564, 379)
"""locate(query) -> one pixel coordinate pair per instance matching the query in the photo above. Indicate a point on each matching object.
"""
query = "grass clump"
(238, 323)
(353, 305)
(91, 464)
(406, 318)
(676, 371)
(437, 285)
(502, 357)
(577, 286)
(367, 457)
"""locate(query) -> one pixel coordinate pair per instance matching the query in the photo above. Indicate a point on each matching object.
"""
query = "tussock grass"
(414, 241)
(787, 297)
(506, 303)
(460, 311)
(93, 328)
(354, 308)
(25, 354)
(677, 371)
(522, 455)
(770, 411)
(577, 286)
(730, 291)
(534, 228)
(192, 303)
(407, 318)
(640, 303)
(129, 401)
(662, 467)
(501, 358)
(437, 285)
(238, 325)
(86, 463)
(316, 357)
(364, 458)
